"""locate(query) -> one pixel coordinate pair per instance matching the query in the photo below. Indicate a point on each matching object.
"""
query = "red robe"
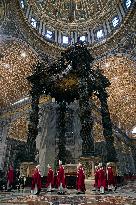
(36, 179)
(10, 176)
(96, 178)
(101, 178)
(110, 176)
(61, 176)
(80, 183)
(50, 178)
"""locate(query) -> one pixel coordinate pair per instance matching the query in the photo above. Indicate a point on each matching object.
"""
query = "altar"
(27, 169)
(70, 174)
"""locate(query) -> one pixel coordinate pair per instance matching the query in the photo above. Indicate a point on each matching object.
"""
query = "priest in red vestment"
(110, 178)
(36, 181)
(96, 177)
(10, 178)
(101, 179)
(80, 183)
(61, 178)
(50, 178)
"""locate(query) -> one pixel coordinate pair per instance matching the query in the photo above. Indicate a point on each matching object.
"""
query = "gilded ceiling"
(122, 93)
(71, 13)
(15, 65)
(18, 129)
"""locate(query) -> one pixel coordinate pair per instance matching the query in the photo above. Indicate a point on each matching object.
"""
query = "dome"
(73, 14)
(63, 22)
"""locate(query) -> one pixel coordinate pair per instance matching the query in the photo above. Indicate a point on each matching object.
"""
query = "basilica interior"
(68, 92)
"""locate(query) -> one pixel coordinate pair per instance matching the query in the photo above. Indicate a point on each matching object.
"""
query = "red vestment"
(61, 176)
(50, 178)
(10, 175)
(101, 178)
(96, 178)
(110, 176)
(36, 180)
(80, 183)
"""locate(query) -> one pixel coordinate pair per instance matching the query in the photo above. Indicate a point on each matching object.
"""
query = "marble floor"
(125, 195)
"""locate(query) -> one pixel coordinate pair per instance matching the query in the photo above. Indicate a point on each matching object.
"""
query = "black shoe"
(115, 188)
(61, 193)
(79, 192)
(38, 192)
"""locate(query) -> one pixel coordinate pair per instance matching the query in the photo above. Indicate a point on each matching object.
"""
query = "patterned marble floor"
(125, 195)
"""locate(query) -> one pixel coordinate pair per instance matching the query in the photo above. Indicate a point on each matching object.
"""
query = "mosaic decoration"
(73, 13)
(15, 65)
(18, 129)
(122, 92)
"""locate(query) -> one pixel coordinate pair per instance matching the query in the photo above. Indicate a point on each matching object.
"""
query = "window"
(82, 38)
(100, 34)
(65, 39)
(134, 130)
(33, 22)
(21, 101)
(115, 21)
(128, 3)
(22, 4)
(49, 34)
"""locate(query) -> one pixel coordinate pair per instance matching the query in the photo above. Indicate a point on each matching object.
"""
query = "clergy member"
(110, 178)
(50, 179)
(10, 178)
(96, 178)
(36, 181)
(80, 183)
(61, 178)
(101, 179)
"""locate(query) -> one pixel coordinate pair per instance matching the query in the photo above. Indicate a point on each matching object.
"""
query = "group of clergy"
(104, 179)
(60, 183)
